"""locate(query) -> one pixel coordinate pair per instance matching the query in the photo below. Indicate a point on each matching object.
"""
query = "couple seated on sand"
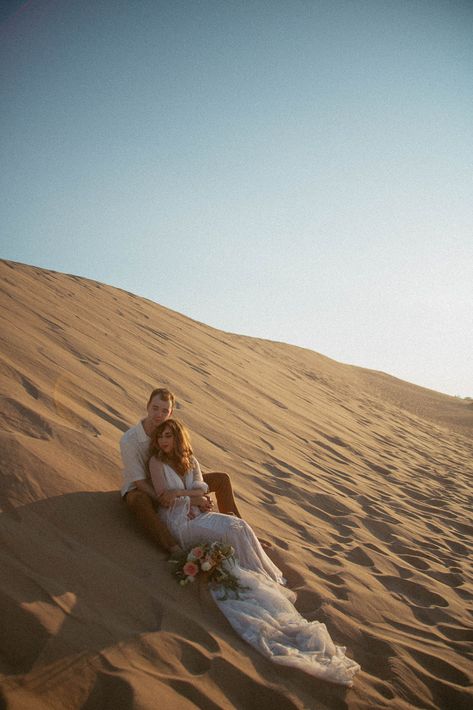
(167, 492)
(138, 488)
(161, 470)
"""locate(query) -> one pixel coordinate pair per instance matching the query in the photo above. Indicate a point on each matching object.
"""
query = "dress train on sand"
(264, 614)
(266, 618)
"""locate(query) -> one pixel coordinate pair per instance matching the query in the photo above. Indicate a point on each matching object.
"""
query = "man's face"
(159, 410)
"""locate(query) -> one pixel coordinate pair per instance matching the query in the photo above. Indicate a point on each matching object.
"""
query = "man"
(137, 489)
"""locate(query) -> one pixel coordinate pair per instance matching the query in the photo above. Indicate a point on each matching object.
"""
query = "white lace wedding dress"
(264, 615)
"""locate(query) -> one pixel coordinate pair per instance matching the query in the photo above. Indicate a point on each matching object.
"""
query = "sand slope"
(362, 482)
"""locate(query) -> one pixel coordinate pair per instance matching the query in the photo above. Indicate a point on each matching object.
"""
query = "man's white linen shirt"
(134, 448)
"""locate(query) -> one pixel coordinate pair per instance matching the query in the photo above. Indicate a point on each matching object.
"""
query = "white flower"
(205, 566)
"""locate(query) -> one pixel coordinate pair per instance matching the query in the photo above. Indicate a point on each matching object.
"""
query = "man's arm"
(145, 487)
(134, 468)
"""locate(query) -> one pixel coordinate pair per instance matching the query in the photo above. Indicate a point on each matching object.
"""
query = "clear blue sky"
(299, 171)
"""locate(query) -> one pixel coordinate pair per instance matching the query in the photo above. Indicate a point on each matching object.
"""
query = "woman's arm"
(197, 478)
(191, 493)
(196, 490)
(156, 471)
(166, 496)
(198, 483)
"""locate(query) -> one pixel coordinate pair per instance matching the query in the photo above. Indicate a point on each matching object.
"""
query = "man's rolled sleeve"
(134, 458)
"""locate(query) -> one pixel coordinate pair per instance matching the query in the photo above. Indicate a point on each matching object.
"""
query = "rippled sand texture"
(361, 481)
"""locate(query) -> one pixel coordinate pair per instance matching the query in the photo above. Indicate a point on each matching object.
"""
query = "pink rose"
(190, 569)
(196, 553)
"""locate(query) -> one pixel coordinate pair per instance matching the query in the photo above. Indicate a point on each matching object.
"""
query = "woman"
(177, 480)
(264, 614)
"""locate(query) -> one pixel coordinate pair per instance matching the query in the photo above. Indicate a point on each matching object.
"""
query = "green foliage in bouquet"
(213, 560)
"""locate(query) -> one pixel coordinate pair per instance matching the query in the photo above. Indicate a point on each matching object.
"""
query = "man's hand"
(204, 503)
(167, 498)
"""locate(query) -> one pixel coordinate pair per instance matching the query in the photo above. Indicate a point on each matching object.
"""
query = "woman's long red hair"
(181, 457)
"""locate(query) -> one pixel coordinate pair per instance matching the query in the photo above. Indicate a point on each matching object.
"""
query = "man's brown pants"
(144, 510)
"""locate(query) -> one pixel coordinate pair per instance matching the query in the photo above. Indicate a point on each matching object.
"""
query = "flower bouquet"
(213, 559)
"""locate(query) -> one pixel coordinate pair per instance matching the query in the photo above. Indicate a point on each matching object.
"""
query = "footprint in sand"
(370, 651)
(457, 547)
(411, 630)
(270, 499)
(275, 471)
(416, 562)
(118, 423)
(18, 418)
(284, 464)
(236, 687)
(29, 387)
(335, 455)
(216, 444)
(440, 668)
(308, 602)
(414, 592)
(331, 505)
(379, 469)
(448, 578)
(267, 443)
(335, 581)
(193, 659)
(464, 594)
(118, 691)
(379, 529)
(328, 552)
(281, 543)
(189, 690)
(456, 633)
(359, 557)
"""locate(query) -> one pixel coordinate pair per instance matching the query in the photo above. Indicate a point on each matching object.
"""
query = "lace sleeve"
(197, 478)
(156, 471)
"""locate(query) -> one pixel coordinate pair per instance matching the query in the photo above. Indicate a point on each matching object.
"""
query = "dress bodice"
(173, 480)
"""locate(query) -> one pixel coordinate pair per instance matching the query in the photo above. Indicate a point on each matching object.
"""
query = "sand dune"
(361, 481)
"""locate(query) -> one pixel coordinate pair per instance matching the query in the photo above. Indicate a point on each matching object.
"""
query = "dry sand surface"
(361, 482)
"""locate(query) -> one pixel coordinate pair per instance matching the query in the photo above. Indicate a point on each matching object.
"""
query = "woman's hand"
(205, 503)
(168, 497)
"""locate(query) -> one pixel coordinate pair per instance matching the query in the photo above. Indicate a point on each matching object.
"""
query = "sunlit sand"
(361, 482)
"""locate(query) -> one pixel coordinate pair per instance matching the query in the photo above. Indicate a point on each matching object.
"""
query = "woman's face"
(166, 441)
